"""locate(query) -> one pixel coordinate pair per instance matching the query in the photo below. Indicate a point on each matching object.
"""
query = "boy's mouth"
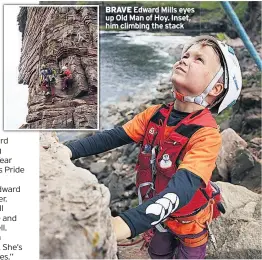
(179, 68)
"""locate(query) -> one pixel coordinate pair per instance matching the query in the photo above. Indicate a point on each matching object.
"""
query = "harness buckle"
(160, 228)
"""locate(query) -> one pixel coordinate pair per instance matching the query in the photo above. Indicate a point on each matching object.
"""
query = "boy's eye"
(200, 59)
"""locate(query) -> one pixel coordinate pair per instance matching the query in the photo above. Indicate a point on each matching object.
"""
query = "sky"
(15, 95)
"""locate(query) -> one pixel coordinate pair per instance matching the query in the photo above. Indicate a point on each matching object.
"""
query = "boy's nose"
(184, 61)
(176, 64)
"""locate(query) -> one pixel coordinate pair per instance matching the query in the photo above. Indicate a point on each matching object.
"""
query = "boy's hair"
(207, 42)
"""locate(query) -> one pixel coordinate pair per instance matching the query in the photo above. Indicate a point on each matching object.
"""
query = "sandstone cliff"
(55, 36)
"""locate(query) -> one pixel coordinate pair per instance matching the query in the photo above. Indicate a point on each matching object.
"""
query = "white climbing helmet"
(232, 75)
(64, 68)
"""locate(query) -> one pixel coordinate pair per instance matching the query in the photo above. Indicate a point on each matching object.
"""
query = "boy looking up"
(180, 143)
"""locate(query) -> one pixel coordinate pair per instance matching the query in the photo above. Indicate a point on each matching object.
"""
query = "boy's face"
(192, 74)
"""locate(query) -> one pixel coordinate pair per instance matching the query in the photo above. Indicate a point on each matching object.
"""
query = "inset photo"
(51, 74)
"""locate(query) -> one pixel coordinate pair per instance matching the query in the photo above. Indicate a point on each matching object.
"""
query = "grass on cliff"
(217, 12)
(240, 9)
(224, 115)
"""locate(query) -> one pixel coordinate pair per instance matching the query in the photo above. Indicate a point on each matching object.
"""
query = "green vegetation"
(217, 11)
(212, 16)
(224, 115)
(221, 36)
(211, 11)
(186, 4)
(210, 5)
(134, 203)
(240, 9)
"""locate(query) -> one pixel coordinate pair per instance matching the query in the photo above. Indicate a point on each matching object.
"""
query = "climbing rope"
(146, 239)
(132, 243)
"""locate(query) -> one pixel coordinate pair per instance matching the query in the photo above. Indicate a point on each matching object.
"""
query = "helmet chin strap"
(200, 100)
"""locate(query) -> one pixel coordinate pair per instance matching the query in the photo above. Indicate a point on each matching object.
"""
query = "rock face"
(238, 232)
(231, 142)
(237, 162)
(55, 36)
(116, 170)
(75, 220)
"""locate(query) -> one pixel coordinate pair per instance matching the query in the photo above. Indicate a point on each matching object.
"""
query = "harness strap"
(160, 228)
(200, 100)
(195, 217)
(153, 165)
(140, 199)
(196, 211)
(163, 126)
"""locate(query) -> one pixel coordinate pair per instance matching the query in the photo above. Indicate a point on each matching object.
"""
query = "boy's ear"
(217, 90)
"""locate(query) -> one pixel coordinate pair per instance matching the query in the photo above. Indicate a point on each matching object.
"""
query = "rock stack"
(55, 36)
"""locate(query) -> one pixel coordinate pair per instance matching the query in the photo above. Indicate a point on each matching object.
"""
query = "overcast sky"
(15, 95)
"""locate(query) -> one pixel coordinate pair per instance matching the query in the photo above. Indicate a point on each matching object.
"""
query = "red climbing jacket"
(68, 74)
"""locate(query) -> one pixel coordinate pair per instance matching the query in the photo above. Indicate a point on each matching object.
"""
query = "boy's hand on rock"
(61, 149)
(120, 228)
(68, 151)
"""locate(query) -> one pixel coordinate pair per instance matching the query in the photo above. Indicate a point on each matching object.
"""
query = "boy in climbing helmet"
(179, 146)
(67, 77)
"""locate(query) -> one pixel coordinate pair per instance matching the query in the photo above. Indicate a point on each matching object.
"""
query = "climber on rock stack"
(48, 80)
(52, 81)
(67, 77)
(179, 144)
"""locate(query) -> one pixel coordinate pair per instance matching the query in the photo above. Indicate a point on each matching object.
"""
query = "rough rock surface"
(238, 232)
(55, 36)
(231, 142)
(75, 220)
(246, 117)
(237, 163)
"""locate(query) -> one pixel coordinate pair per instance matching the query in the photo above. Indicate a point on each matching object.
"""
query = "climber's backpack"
(45, 74)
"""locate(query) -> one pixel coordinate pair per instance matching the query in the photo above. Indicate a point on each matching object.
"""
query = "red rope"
(132, 243)
(146, 238)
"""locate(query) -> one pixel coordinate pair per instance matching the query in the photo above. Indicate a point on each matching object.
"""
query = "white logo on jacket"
(152, 130)
(163, 207)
